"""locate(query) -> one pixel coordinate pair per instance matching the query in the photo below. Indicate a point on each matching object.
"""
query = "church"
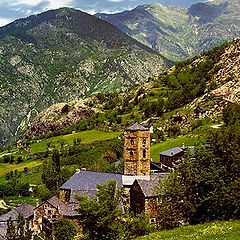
(138, 180)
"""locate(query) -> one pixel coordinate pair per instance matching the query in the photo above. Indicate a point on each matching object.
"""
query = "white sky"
(14, 9)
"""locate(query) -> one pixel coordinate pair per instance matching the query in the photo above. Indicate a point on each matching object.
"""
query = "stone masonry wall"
(137, 153)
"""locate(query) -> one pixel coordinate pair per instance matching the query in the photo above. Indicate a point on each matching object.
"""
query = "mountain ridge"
(62, 55)
(208, 81)
(177, 32)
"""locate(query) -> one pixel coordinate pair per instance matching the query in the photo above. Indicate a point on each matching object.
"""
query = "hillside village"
(104, 137)
(139, 181)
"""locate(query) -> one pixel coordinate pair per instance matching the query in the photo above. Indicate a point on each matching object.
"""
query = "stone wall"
(151, 207)
(137, 153)
(137, 199)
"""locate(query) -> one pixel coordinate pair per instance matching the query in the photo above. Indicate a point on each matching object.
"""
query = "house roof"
(24, 209)
(157, 166)
(64, 209)
(88, 180)
(148, 187)
(137, 127)
(86, 193)
(172, 152)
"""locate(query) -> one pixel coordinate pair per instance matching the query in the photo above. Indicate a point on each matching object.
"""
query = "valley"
(121, 129)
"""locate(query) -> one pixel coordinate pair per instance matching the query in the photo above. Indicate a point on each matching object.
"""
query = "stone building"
(144, 196)
(170, 159)
(137, 150)
(24, 209)
(49, 212)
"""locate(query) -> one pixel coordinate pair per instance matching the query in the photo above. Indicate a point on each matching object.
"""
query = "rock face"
(62, 55)
(228, 76)
(179, 33)
(57, 117)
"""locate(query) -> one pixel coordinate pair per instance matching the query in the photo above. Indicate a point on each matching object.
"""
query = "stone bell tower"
(137, 150)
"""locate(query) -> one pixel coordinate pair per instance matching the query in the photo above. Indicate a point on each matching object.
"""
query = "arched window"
(144, 142)
(131, 153)
(131, 141)
(144, 153)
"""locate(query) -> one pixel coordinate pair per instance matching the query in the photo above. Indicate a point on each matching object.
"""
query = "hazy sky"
(13, 9)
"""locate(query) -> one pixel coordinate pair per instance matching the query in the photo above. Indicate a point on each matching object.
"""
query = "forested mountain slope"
(62, 55)
(207, 81)
(179, 33)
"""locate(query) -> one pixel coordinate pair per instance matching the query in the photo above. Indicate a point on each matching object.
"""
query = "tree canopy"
(207, 186)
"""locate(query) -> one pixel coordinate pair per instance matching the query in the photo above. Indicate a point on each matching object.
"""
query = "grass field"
(86, 137)
(6, 167)
(210, 231)
(14, 201)
(176, 142)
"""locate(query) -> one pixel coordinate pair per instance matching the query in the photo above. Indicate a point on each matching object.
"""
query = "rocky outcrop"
(57, 117)
(228, 75)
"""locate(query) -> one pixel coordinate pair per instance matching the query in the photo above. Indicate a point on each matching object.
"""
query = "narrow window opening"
(132, 142)
(144, 153)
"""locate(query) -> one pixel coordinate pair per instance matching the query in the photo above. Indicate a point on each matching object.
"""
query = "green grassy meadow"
(41, 146)
(6, 167)
(222, 230)
(86, 137)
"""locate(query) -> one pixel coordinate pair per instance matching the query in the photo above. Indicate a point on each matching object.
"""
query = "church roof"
(137, 127)
(148, 187)
(88, 180)
(24, 209)
(172, 152)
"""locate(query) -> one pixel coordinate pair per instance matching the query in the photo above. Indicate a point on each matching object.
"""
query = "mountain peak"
(62, 55)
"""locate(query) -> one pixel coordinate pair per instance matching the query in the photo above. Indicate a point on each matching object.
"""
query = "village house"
(26, 210)
(48, 212)
(139, 181)
(144, 196)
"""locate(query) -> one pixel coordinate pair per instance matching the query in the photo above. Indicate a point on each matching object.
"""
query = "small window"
(153, 220)
(144, 153)
(132, 142)
(131, 153)
(144, 142)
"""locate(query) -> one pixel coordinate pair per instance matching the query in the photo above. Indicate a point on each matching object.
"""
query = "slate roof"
(149, 186)
(24, 209)
(86, 193)
(157, 166)
(65, 209)
(172, 152)
(137, 127)
(87, 180)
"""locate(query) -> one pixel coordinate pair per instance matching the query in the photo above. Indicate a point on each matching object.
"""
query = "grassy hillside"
(84, 137)
(210, 231)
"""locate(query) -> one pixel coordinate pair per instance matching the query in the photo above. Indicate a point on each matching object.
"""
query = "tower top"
(137, 127)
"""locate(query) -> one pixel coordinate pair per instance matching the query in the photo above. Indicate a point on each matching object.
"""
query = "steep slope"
(179, 33)
(208, 81)
(61, 55)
